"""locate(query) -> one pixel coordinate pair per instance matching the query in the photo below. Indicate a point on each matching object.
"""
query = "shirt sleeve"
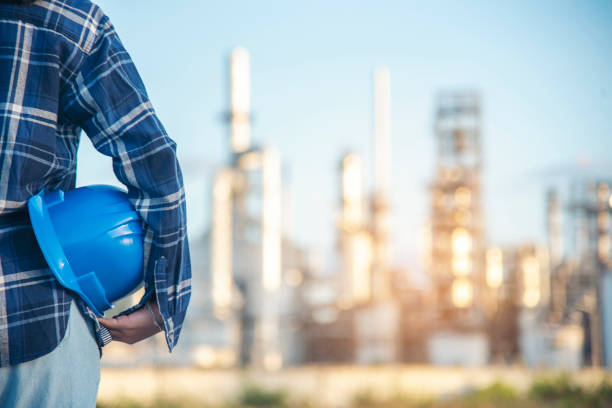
(107, 98)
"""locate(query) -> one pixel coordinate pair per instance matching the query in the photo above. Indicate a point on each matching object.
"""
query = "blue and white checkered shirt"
(63, 69)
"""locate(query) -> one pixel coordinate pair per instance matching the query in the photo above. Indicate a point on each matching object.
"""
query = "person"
(63, 69)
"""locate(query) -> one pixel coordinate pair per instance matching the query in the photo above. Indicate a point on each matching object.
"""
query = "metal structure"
(364, 244)
(221, 242)
(363, 225)
(554, 227)
(578, 299)
(381, 261)
(458, 253)
(240, 100)
(246, 235)
(354, 240)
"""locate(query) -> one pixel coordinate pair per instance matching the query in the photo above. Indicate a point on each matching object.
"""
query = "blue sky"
(544, 70)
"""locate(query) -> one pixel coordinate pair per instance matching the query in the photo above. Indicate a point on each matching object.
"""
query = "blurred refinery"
(259, 300)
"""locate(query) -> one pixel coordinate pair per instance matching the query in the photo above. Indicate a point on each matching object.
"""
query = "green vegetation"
(495, 395)
(258, 397)
(559, 388)
(545, 392)
(562, 392)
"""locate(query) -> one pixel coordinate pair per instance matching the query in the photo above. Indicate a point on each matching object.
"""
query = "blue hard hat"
(91, 238)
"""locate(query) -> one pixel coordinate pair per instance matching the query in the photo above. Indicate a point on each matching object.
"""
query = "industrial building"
(258, 301)
(578, 227)
(372, 312)
(457, 262)
(251, 281)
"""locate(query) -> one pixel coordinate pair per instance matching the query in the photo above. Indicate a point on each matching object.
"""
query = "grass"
(562, 392)
(546, 392)
(257, 397)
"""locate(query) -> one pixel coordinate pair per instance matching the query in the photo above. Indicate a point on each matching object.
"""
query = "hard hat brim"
(55, 256)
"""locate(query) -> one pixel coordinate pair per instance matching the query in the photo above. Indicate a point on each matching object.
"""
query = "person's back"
(63, 69)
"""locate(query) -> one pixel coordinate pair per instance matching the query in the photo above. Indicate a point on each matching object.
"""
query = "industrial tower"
(246, 237)
(381, 261)
(364, 224)
(589, 283)
(363, 240)
(457, 235)
(354, 239)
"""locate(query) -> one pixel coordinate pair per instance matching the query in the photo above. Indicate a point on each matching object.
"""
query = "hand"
(135, 326)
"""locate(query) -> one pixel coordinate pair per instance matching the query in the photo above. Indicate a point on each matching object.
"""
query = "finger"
(119, 321)
(108, 323)
(123, 320)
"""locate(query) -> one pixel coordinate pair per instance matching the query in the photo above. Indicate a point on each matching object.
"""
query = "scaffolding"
(457, 266)
(578, 293)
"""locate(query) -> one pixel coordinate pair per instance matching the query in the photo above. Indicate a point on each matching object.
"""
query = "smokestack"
(381, 263)
(382, 131)
(240, 100)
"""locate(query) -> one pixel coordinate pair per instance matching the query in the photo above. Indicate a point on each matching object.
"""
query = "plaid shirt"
(63, 69)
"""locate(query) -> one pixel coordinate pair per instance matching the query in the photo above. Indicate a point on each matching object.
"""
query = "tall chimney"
(240, 100)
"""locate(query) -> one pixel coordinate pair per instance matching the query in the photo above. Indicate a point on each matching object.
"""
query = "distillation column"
(381, 274)
(221, 243)
(267, 345)
(239, 263)
(458, 258)
(355, 243)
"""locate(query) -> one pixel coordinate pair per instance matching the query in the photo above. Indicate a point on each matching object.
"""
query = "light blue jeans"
(66, 377)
